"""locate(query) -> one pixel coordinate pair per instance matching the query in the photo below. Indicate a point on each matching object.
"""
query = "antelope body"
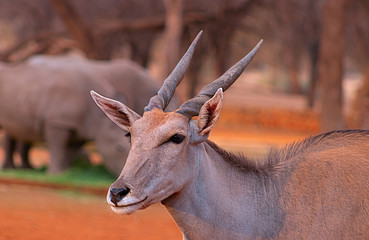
(314, 189)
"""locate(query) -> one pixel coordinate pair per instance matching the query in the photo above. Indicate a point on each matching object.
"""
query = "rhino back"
(31, 96)
(129, 79)
(133, 81)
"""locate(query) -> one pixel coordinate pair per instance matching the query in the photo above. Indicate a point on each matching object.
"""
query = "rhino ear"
(119, 113)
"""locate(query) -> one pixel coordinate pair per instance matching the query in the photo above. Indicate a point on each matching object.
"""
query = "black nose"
(117, 194)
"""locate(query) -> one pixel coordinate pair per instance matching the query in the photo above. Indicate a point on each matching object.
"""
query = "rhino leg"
(113, 153)
(9, 147)
(57, 139)
(23, 149)
(75, 151)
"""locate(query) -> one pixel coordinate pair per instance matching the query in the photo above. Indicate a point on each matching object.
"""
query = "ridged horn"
(166, 92)
(192, 107)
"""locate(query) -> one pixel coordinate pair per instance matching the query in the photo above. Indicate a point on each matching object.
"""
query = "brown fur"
(276, 160)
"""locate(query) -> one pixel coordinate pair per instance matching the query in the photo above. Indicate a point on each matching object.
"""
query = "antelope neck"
(219, 190)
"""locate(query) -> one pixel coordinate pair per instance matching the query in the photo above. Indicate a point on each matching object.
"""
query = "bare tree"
(79, 30)
(172, 33)
(331, 51)
(358, 37)
(292, 30)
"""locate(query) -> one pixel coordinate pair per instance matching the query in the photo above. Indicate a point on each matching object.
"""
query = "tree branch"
(79, 31)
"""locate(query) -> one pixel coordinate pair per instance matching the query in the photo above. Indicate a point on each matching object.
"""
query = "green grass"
(80, 174)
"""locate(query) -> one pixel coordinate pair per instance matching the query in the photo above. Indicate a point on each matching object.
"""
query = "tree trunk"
(360, 106)
(172, 33)
(193, 73)
(293, 75)
(314, 56)
(78, 30)
(364, 102)
(292, 65)
(331, 64)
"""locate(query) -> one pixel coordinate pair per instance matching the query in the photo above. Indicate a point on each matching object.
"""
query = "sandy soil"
(38, 213)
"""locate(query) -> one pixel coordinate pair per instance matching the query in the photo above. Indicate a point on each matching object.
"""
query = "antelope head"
(157, 165)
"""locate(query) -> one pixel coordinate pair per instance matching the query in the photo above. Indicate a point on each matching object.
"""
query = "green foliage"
(80, 174)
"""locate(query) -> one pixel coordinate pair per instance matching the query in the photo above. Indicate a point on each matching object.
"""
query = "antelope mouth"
(129, 207)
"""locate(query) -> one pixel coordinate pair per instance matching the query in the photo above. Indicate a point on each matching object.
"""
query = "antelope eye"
(177, 138)
(128, 135)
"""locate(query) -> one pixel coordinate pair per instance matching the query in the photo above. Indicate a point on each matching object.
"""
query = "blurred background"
(311, 75)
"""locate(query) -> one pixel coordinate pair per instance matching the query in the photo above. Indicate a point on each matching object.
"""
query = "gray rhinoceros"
(49, 100)
(128, 78)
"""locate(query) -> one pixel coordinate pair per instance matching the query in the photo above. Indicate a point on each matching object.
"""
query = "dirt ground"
(33, 213)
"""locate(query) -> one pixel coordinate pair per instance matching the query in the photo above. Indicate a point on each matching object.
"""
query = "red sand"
(38, 213)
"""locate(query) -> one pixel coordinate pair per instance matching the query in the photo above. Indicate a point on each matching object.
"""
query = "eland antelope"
(314, 189)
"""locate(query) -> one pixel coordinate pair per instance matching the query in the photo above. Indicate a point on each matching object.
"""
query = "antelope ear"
(210, 112)
(208, 116)
(119, 113)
